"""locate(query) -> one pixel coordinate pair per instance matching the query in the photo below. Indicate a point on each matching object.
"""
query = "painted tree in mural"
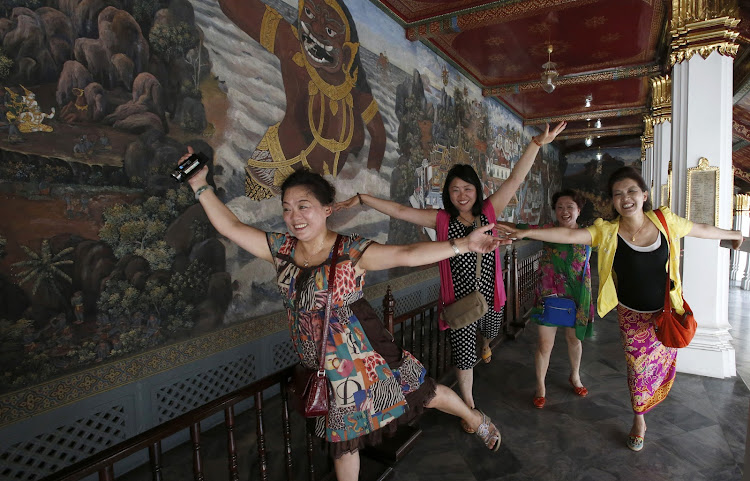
(328, 99)
(44, 269)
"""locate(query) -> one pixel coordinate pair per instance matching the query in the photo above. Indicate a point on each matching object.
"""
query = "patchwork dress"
(374, 382)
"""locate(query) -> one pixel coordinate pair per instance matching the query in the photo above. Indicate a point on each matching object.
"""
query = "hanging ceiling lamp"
(588, 141)
(550, 74)
(599, 154)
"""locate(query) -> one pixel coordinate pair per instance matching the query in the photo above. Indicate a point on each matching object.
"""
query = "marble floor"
(698, 433)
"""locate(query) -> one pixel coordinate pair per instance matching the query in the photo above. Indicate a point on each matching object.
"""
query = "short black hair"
(577, 198)
(323, 190)
(466, 173)
(628, 172)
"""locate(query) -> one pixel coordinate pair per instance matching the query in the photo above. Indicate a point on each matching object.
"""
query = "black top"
(641, 276)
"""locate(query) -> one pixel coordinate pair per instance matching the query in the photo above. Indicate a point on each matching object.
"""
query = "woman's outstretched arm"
(422, 217)
(224, 221)
(560, 235)
(502, 196)
(705, 231)
(380, 256)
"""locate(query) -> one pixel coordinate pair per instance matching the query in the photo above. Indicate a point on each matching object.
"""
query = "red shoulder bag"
(673, 329)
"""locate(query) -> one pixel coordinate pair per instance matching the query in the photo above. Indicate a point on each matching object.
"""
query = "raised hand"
(345, 204)
(549, 135)
(199, 178)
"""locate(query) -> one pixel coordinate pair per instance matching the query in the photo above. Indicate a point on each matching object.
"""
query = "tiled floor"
(697, 433)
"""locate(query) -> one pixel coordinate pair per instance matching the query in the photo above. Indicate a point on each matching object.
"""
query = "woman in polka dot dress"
(465, 210)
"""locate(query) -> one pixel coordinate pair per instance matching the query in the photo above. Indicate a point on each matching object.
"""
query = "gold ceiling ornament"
(702, 27)
(661, 99)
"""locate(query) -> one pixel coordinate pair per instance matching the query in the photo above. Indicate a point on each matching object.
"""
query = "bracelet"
(202, 189)
(536, 141)
(455, 247)
(360, 199)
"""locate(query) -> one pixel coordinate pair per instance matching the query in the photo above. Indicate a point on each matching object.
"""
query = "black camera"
(187, 169)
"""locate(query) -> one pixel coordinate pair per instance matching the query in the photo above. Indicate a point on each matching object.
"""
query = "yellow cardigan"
(604, 239)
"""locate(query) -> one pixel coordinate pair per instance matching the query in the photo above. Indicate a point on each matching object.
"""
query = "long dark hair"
(466, 173)
(323, 190)
(630, 173)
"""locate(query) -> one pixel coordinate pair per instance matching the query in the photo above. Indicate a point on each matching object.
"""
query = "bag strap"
(667, 302)
(478, 274)
(586, 267)
(329, 303)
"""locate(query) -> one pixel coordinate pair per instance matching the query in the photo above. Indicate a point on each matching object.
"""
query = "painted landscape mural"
(103, 255)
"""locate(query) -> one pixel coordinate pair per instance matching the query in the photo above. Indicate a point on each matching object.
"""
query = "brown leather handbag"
(311, 386)
(469, 308)
(673, 329)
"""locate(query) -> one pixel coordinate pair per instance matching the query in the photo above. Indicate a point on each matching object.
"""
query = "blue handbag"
(561, 311)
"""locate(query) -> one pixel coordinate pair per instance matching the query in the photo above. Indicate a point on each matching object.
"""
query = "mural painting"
(588, 175)
(103, 255)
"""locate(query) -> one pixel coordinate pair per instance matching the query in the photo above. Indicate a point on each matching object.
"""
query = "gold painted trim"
(741, 203)
(664, 200)
(661, 99)
(599, 114)
(703, 166)
(370, 112)
(575, 79)
(268, 27)
(582, 134)
(685, 12)
(704, 37)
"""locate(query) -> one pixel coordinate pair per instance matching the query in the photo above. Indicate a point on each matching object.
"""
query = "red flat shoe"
(581, 391)
(539, 402)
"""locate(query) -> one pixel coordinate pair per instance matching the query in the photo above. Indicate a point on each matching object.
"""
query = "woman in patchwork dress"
(375, 384)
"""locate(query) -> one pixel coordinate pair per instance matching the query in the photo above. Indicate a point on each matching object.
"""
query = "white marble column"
(702, 127)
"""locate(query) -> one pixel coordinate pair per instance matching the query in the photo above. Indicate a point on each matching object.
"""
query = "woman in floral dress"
(564, 273)
(375, 384)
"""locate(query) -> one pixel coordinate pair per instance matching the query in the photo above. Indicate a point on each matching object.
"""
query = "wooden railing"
(416, 331)
(151, 440)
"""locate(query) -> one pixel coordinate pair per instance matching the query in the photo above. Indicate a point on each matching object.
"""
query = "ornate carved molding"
(599, 114)
(741, 174)
(647, 139)
(661, 99)
(480, 16)
(705, 36)
(582, 134)
(575, 79)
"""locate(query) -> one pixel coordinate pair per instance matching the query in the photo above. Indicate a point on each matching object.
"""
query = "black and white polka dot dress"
(463, 272)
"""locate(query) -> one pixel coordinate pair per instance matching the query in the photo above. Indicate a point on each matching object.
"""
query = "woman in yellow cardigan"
(633, 254)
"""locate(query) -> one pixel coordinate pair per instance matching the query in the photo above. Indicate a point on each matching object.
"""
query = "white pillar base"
(709, 354)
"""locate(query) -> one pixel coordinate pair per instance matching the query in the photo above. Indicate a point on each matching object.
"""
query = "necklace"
(471, 222)
(306, 262)
(632, 239)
